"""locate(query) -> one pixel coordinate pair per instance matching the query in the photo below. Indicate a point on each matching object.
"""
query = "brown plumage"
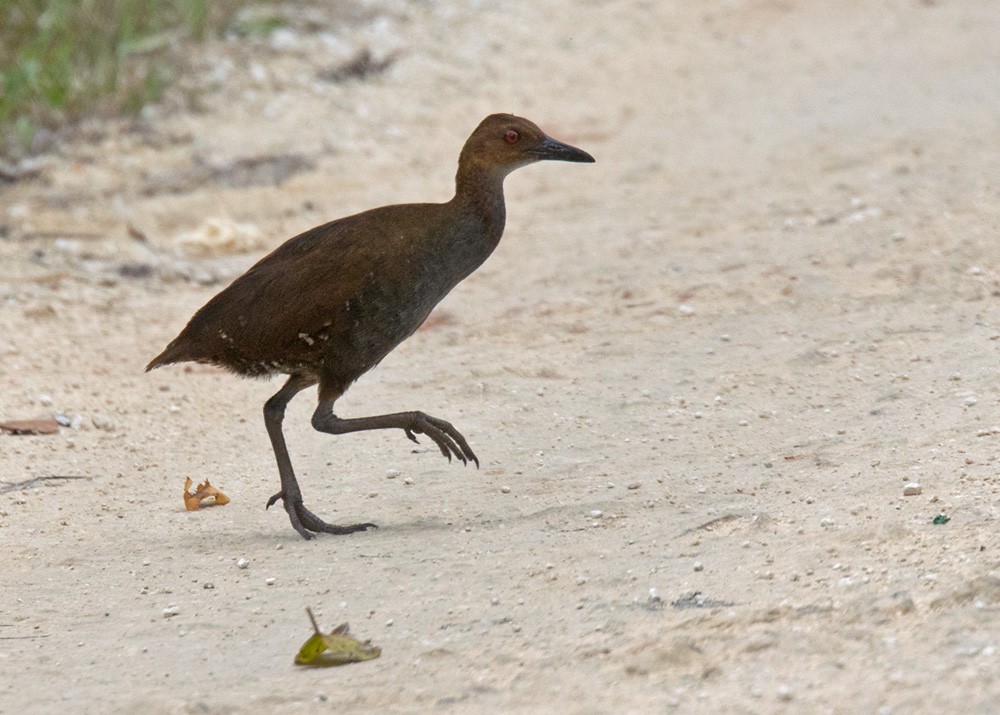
(327, 305)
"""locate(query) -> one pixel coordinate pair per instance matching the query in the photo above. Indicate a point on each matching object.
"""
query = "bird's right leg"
(303, 520)
(448, 439)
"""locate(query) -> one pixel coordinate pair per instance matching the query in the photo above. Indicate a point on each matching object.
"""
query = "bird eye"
(512, 136)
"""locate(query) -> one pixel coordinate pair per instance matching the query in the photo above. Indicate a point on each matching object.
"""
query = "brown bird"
(327, 305)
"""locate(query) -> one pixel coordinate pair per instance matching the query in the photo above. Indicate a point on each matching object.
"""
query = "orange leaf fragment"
(192, 502)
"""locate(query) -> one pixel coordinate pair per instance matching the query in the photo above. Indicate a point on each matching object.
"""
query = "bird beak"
(557, 151)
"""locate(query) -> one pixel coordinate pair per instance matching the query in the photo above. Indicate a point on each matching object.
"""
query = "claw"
(304, 521)
(272, 500)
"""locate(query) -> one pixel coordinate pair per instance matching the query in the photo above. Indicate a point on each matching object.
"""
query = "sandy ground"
(699, 374)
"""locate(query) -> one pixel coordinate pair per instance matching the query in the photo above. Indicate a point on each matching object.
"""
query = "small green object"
(941, 519)
(337, 648)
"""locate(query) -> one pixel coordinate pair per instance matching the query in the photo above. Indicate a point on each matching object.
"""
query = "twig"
(14, 486)
(313, 619)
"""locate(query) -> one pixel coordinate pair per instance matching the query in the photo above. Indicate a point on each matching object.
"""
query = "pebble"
(596, 513)
(102, 422)
(505, 489)
(912, 489)
(685, 310)
(242, 563)
(269, 580)
(391, 473)
(495, 601)
(699, 566)
(208, 585)
(171, 610)
(389, 622)
(634, 485)
(73, 422)
(407, 481)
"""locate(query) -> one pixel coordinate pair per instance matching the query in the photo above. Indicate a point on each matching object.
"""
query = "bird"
(329, 304)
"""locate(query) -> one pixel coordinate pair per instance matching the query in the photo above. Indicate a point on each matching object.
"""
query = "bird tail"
(173, 353)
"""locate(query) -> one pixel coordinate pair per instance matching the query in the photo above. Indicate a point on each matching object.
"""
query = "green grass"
(63, 60)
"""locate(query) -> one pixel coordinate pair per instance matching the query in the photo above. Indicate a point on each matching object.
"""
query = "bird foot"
(448, 439)
(305, 522)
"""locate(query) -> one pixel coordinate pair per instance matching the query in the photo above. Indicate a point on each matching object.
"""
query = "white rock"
(912, 489)
(242, 563)
(221, 236)
(171, 610)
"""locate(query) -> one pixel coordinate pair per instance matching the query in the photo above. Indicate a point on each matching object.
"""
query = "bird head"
(505, 142)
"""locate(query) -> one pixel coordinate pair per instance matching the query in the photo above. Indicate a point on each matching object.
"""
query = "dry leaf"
(30, 426)
(337, 648)
(192, 502)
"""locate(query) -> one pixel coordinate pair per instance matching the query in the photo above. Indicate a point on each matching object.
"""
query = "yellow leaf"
(339, 647)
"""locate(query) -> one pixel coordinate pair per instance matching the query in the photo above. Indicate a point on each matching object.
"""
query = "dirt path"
(699, 374)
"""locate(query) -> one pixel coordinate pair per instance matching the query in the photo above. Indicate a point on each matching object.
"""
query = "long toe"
(314, 523)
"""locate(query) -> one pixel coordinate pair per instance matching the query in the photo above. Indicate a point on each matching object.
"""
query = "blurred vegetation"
(63, 60)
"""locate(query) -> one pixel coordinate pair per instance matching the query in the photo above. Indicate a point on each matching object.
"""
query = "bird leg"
(303, 520)
(448, 439)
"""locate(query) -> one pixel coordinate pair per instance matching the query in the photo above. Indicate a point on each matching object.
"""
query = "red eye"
(511, 137)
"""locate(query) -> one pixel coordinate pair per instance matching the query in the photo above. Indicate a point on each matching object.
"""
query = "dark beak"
(557, 151)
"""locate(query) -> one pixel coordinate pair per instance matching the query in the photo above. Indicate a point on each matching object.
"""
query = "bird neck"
(480, 188)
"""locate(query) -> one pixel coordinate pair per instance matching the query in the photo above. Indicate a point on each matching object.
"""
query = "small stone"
(596, 513)
(505, 489)
(45, 400)
(912, 489)
(495, 601)
(208, 585)
(391, 473)
(699, 566)
(785, 692)
(171, 610)
(634, 485)
(685, 310)
(389, 622)
(242, 563)
(102, 423)
(408, 481)
(269, 580)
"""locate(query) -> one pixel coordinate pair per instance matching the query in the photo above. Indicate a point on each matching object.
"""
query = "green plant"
(62, 60)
